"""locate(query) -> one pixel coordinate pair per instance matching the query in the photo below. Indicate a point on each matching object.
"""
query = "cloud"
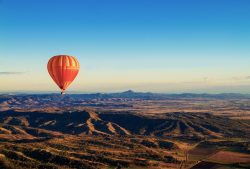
(11, 73)
(241, 78)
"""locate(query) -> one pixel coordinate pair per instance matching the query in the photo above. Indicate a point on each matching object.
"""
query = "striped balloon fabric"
(63, 69)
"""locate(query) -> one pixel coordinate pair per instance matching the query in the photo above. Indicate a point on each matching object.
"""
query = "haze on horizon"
(143, 45)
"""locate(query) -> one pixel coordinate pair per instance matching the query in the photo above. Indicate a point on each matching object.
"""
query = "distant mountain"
(30, 101)
(149, 95)
(132, 94)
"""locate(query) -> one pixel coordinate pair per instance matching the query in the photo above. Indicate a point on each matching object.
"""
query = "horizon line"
(112, 92)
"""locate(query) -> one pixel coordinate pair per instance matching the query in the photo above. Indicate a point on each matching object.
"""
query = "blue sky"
(146, 45)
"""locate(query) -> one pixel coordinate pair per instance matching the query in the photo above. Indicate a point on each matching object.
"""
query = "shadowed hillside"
(186, 125)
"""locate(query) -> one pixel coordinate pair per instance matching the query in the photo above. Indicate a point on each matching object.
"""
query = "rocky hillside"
(179, 125)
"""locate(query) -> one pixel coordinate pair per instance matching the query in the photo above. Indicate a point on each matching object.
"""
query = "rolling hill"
(110, 130)
(169, 125)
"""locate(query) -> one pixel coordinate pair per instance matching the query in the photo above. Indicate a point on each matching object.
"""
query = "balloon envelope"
(63, 69)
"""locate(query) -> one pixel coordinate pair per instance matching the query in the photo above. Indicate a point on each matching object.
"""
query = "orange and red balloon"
(63, 69)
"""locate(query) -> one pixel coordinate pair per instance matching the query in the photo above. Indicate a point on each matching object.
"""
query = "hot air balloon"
(63, 69)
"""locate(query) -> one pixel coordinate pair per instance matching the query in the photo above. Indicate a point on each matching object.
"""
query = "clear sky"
(169, 46)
